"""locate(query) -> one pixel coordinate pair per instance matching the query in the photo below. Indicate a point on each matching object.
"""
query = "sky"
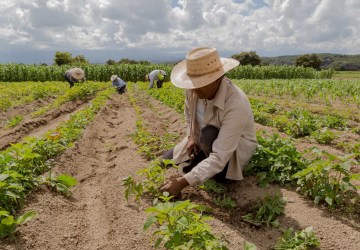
(31, 31)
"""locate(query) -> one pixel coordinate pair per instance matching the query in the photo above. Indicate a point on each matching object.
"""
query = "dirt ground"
(97, 216)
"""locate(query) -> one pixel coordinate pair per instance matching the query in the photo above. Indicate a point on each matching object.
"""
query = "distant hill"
(336, 61)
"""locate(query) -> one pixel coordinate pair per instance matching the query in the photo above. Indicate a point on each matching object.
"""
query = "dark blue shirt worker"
(118, 83)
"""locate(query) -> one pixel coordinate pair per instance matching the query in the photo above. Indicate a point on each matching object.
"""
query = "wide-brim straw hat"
(77, 73)
(201, 67)
(113, 77)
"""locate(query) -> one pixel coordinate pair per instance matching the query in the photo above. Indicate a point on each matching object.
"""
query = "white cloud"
(267, 26)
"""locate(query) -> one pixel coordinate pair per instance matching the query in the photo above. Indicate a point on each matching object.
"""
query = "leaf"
(249, 246)
(25, 217)
(8, 220)
(3, 177)
(67, 180)
(150, 220)
(329, 201)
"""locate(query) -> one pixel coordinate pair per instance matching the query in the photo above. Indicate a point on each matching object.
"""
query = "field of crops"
(79, 169)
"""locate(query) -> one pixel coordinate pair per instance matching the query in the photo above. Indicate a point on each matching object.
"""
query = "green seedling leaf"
(25, 217)
(67, 180)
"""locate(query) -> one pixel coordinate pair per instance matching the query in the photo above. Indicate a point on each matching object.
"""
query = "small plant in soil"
(212, 186)
(297, 240)
(225, 201)
(266, 211)
(181, 225)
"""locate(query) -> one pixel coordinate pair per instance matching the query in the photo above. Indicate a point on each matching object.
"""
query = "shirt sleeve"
(224, 146)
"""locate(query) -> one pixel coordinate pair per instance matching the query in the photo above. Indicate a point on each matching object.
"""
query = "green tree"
(110, 62)
(247, 58)
(62, 58)
(309, 60)
(80, 59)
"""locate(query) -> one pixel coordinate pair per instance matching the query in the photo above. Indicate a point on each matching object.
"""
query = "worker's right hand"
(192, 148)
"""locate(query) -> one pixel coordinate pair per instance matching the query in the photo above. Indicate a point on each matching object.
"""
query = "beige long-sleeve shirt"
(231, 113)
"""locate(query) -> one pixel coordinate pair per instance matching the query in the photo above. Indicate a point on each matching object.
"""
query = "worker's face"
(208, 91)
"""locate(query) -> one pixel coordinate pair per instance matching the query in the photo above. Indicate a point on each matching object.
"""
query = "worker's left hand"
(174, 186)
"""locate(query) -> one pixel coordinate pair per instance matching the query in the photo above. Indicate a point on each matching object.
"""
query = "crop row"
(16, 94)
(22, 165)
(137, 72)
(317, 91)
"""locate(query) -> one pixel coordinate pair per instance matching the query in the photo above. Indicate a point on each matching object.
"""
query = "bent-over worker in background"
(157, 76)
(74, 75)
(118, 83)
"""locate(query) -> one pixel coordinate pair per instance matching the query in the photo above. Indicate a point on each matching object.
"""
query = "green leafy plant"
(181, 225)
(297, 240)
(154, 179)
(8, 223)
(249, 246)
(323, 136)
(225, 201)
(212, 186)
(327, 179)
(132, 187)
(61, 183)
(275, 160)
(13, 121)
(266, 211)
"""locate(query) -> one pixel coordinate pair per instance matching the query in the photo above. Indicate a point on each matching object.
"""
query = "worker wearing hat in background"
(220, 137)
(118, 83)
(156, 75)
(74, 75)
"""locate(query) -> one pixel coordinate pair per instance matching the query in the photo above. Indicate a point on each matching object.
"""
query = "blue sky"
(164, 30)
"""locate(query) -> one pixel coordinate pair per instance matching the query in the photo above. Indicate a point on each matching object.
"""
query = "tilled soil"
(97, 216)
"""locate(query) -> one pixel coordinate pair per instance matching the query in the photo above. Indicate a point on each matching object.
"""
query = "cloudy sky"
(31, 31)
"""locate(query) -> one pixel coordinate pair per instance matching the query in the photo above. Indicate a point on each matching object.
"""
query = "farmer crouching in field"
(220, 136)
(118, 83)
(74, 75)
(156, 75)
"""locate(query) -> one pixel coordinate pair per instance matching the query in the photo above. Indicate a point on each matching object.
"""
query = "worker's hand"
(174, 186)
(192, 148)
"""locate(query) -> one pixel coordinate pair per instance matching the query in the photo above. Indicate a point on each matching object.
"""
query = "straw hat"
(201, 67)
(77, 73)
(113, 77)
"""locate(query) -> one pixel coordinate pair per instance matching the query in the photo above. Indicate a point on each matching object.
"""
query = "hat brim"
(77, 76)
(180, 78)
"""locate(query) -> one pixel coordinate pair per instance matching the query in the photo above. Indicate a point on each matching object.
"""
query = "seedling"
(266, 211)
(181, 225)
(212, 186)
(297, 240)
(225, 201)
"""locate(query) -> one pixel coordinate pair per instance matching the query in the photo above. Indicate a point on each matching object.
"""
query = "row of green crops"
(22, 164)
(323, 91)
(137, 72)
(15, 94)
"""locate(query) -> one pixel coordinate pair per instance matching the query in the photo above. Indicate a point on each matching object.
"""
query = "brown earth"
(97, 215)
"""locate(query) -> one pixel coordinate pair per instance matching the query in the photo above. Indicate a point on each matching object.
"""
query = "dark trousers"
(207, 137)
(159, 84)
(121, 90)
(69, 81)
